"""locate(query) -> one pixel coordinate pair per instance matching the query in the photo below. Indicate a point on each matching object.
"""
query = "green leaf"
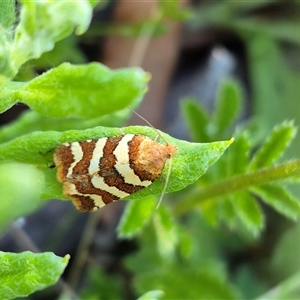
(174, 10)
(226, 211)
(136, 215)
(7, 13)
(152, 295)
(185, 242)
(227, 106)
(282, 30)
(274, 147)
(186, 282)
(19, 194)
(248, 211)
(95, 2)
(99, 284)
(65, 50)
(24, 273)
(268, 86)
(85, 91)
(209, 211)
(282, 267)
(146, 257)
(166, 233)
(7, 70)
(31, 121)
(238, 156)
(280, 199)
(42, 24)
(189, 162)
(196, 119)
(7, 99)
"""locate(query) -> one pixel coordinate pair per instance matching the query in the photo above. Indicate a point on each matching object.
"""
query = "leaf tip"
(147, 76)
(66, 258)
(229, 142)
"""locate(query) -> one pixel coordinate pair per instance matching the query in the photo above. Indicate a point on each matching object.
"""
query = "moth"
(97, 172)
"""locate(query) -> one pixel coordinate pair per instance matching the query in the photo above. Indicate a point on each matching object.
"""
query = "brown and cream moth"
(97, 172)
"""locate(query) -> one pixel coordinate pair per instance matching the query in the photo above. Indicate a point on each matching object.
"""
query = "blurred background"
(190, 48)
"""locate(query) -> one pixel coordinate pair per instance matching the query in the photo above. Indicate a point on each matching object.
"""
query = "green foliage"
(227, 106)
(68, 82)
(40, 26)
(190, 162)
(196, 119)
(7, 13)
(196, 276)
(166, 233)
(287, 289)
(229, 193)
(101, 286)
(136, 216)
(280, 199)
(67, 102)
(232, 191)
(174, 10)
(272, 49)
(31, 121)
(24, 273)
(227, 111)
(233, 201)
(274, 147)
(18, 190)
(154, 25)
(180, 254)
(209, 285)
(152, 295)
(285, 247)
(248, 211)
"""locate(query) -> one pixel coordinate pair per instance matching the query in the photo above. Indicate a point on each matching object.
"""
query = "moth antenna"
(148, 123)
(171, 159)
(166, 183)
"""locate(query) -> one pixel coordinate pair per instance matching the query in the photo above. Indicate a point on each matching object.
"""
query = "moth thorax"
(152, 156)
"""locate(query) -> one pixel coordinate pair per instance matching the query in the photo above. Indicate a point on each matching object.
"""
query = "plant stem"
(240, 182)
(142, 42)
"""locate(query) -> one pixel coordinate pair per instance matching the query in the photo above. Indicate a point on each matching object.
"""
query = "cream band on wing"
(98, 182)
(77, 154)
(122, 162)
(71, 188)
(97, 154)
